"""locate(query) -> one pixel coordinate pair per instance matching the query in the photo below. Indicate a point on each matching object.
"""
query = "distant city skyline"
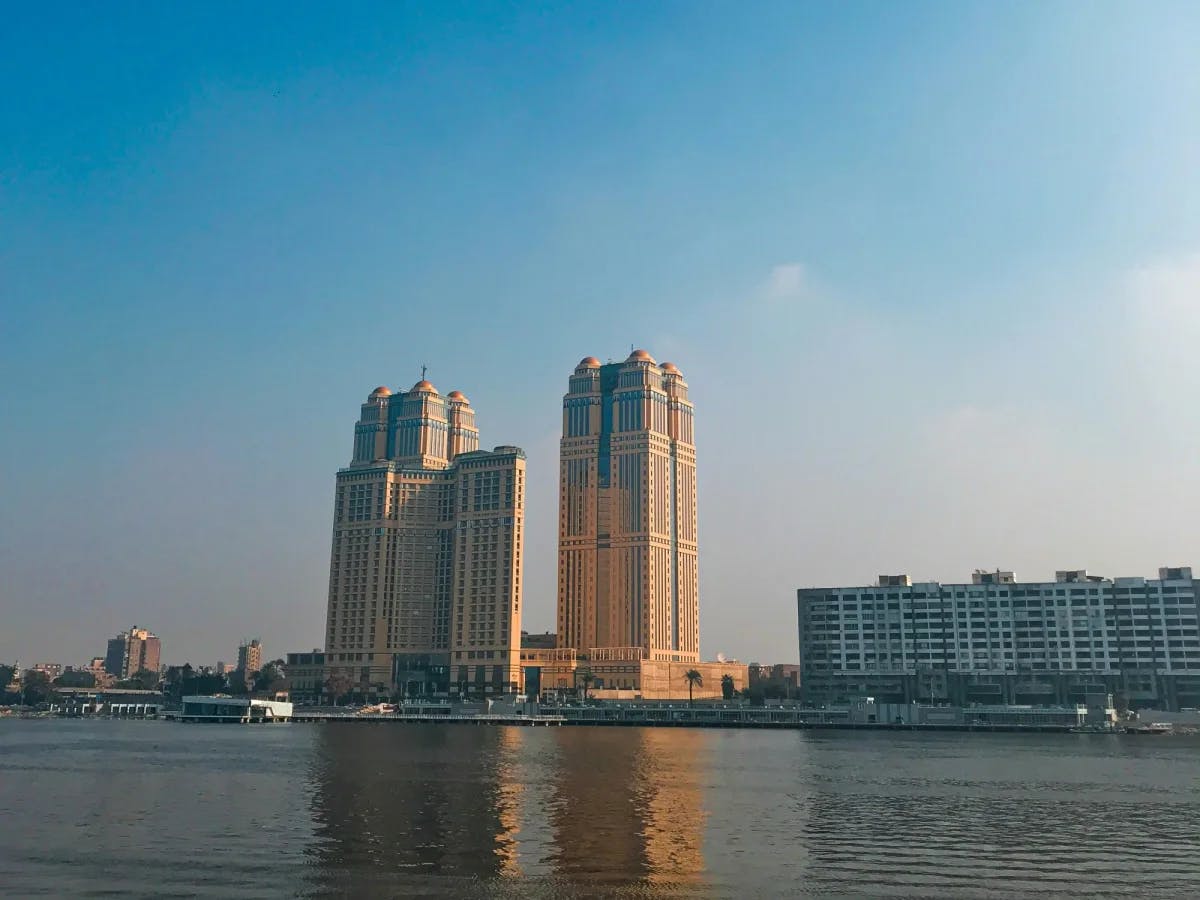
(933, 269)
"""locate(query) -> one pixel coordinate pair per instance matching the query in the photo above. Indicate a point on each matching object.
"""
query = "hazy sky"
(931, 270)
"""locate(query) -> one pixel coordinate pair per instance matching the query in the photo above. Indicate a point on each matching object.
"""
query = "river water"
(160, 809)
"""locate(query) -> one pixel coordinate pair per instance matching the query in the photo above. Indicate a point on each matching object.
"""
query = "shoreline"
(639, 722)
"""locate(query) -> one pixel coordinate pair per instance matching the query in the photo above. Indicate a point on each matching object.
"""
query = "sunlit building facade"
(627, 561)
(426, 565)
(628, 581)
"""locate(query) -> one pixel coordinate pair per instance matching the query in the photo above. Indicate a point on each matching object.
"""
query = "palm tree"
(727, 686)
(586, 677)
(694, 680)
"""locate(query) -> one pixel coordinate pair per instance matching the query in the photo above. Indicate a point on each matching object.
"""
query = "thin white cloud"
(1166, 293)
(787, 281)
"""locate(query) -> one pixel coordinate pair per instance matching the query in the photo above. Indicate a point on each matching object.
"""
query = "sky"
(931, 270)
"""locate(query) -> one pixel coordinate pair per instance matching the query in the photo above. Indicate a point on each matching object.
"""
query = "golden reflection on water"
(510, 789)
(576, 805)
(669, 773)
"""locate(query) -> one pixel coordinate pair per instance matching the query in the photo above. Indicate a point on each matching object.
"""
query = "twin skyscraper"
(426, 571)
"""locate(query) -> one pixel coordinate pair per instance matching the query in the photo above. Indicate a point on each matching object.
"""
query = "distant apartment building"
(546, 640)
(997, 640)
(426, 562)
(97, 670)
(50, 670)
(131, 652)
(779, 677)
(306, 677)
(249, 659)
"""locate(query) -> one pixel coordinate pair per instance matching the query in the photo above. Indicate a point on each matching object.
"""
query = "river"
(161, 809)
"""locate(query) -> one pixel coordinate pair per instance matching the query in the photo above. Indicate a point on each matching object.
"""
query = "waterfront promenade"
(674, 716)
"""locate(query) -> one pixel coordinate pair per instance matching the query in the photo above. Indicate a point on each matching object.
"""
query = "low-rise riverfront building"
(623, 673)
(1000, 641)
(114, 704)
(237, 710)
(306, 677)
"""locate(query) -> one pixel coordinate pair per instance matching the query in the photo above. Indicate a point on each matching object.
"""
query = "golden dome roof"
(670, 367)
(424, 385)
(588, 362)
(640, 356)
(457, 395)
(381, 391)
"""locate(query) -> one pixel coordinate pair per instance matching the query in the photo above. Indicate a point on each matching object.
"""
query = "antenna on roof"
(423, 373)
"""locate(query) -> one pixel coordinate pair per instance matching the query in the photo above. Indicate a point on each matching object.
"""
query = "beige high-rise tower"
(425, 574)
(627, 574)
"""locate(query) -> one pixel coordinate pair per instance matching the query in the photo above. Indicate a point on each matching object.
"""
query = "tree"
(141, 680)
(337, 686)
(208, 683)
(76, 678)
(586, 678)
(6, 677)
(235, 683)
(271, 678)
(179, 681)
(36, 688)
(755, 695)
(694, 680)
(727, 687)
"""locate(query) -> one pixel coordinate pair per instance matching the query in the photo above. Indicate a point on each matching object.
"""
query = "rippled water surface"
(98, 808)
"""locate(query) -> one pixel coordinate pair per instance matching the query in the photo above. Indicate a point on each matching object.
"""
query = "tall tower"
(426, 562)
(627, 573)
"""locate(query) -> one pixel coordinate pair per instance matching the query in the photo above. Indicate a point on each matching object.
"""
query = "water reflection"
(669, 782)
(359, 810)
(627, 806)
(390, 800)
(396, 808)
(1005, 818)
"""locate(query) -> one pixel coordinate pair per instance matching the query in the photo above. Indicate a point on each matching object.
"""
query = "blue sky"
(932, 271)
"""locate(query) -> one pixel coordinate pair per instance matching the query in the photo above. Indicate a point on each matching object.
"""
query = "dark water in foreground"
(355, 810)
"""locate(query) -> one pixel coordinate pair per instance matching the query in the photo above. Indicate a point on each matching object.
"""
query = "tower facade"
(426, 564)
(627, 563)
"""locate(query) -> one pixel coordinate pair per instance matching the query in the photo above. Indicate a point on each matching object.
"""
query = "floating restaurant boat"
(234, 710)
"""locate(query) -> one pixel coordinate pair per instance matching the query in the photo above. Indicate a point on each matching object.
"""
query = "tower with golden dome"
(426, 564)
(628, 583)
